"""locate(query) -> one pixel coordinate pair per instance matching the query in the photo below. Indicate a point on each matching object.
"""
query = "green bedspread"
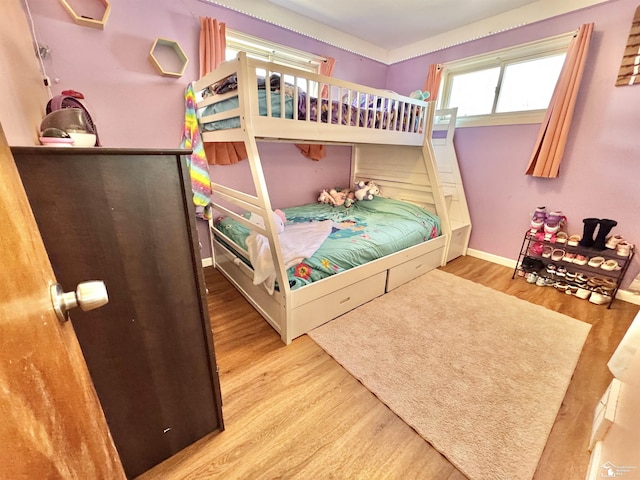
(364, 232)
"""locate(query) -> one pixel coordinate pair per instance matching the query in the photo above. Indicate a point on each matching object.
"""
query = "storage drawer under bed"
(407, 271)
(316, 312)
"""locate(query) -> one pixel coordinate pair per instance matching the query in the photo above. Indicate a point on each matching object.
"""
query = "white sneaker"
(599, 298)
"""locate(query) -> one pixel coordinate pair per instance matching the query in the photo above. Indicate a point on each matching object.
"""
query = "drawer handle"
(345, 300)
(419, 266)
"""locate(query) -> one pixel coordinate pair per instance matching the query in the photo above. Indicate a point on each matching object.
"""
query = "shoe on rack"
(608, 286)
(595, 282)
(610, 265)
(556, 217)
(624, 248)
(581, 278)
(574, 240)
(590, 225)
(571, 290)
(540, 214)
(557, 254)
(536, 249)
(599, 298)
(604, 229)
(550, 229)
(537, 219)
(562, 286)
(561, 237)
(536, 226)
(583, 293)
(613, 241)
(596, 262)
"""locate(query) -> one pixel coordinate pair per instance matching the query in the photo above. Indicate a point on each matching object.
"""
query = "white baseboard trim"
(624, 295)
(490, 257)
(628, 296)
(207, 262)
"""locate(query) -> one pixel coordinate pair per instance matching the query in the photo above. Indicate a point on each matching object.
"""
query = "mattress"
(364, 232)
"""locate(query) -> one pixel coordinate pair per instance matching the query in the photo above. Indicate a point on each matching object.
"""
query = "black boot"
(605, 227)
(590, 225)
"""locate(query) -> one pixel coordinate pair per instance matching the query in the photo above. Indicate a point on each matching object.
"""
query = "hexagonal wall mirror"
(95, 14)
(168, 58)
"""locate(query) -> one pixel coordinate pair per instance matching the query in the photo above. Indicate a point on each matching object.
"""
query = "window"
(273, 52)
(505, 87)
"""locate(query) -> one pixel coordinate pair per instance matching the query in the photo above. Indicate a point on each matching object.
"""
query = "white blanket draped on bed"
(297, 242)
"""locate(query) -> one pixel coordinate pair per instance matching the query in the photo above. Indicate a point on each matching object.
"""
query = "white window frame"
(542, 48)
(273, 52)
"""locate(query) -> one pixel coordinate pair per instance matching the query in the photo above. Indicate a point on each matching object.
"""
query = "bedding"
(364, 232)
(231, 103)
(366, 111)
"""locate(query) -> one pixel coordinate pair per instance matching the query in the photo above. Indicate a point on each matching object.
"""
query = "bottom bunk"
(364, 252)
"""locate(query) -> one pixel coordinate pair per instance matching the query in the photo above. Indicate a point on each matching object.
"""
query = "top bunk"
(243, 97)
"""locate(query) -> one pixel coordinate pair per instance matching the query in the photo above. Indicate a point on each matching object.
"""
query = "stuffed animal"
(337, 197)
(350, 197)
(420, 95)
(279, 218)
(366, 190)
(326, 198)
(373, 188)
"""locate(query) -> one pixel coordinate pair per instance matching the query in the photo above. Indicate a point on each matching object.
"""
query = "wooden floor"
(292, 412)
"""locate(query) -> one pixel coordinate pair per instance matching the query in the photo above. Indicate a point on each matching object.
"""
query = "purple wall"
(132, 104)
(135, 107)
(292, 179)
(601, 167)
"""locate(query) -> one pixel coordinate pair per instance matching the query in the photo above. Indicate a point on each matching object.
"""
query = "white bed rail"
(349, 112)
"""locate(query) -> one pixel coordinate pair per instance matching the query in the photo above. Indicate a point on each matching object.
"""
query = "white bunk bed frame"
(447, 160)
(400, 162)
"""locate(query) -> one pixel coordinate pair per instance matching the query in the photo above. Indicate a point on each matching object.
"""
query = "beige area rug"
(477, 373)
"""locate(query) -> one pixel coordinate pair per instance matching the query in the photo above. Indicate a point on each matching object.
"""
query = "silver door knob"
(88, 295)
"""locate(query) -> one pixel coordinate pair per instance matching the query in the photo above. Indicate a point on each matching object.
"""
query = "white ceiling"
(393, 30)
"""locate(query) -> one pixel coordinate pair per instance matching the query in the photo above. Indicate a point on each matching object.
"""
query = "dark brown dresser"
(125, 216)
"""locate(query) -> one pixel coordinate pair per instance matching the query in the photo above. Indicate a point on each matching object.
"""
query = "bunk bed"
(444, 126)
(389, 135)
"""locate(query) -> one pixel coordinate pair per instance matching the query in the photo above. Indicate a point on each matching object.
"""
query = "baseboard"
(628, 296)
(490, 257)
(207, 262)
(624, 295)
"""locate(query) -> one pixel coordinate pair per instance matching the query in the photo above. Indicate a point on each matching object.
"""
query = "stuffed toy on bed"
(366, 190)
(325, 197)
(337, 197)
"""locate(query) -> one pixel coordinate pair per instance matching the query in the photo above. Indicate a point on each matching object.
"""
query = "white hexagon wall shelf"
(86, 20)
(168, 58)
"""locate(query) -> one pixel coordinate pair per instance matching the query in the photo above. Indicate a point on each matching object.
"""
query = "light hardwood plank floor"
(292, 412)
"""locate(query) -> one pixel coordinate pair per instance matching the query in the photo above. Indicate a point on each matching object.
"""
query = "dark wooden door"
(125, 217)
(52, 424)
